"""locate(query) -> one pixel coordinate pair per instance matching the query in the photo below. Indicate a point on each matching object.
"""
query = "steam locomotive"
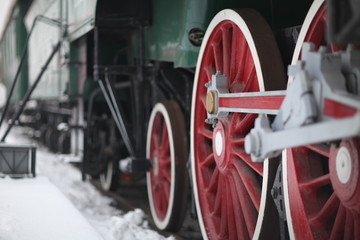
(195, 94)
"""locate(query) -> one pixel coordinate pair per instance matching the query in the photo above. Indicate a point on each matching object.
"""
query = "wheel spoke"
(208, 161)
(165, 162)
(315, 183)
(155, 141)
(249, 182)
(162, 200)
(206, 133)
(232, 233)
(242, 232)
(338, 227)
(247, 206)
(257, 167)
(239, 142)
(213, 181)
(217, 50)
(165, 146)
(249, 79)
(224, 217)
(321, 149)
(326, 211)
(218, 198)
(164, 134)
(156, 193)
(226, 43)
(209, 72)
(166, 191)
(165, 174)
(240, 55)
(242, 126)
(349, 223)
(234, 54)
(356, 224)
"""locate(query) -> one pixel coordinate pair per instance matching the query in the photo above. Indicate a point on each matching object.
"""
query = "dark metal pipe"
(138, 104)
(94, 94)
(117, 117)
(22, 60)
(96, 54)
(122, 127)
(30, 91)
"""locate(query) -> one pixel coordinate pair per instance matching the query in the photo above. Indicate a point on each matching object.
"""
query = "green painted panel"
(11, 48)
(41, 43)
(72, 88)
(167, 38)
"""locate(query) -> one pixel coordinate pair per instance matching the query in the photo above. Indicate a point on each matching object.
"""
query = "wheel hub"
(344, 172)
(156, 165)
(219, 146)
(343, 165)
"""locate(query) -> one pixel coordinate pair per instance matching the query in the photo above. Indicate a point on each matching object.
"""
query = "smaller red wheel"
(167, 181)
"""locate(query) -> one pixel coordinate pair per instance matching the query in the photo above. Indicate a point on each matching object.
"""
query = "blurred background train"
(119, 91)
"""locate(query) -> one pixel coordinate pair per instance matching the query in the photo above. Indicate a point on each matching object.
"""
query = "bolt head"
(211, 102)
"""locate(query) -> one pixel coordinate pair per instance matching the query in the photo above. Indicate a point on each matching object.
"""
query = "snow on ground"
(34, 208)
(110, 222)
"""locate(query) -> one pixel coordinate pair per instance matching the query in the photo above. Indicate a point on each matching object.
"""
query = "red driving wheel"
(228, 186)
(321, 181)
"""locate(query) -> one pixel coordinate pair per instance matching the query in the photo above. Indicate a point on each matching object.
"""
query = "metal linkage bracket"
(324, 96)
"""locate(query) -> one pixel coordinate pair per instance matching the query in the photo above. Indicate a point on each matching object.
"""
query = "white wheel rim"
(286, 195)
(304, 29)
(233, 16)
(161, 224)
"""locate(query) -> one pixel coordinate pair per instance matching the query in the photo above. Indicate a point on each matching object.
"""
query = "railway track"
(129, 196)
